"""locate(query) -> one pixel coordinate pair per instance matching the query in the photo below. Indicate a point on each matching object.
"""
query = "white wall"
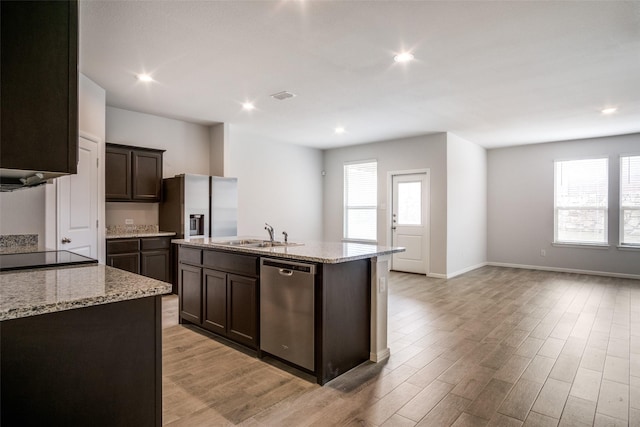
(466, 205)
(520, 206)
(23, 212)
(277, 183)
(423, 152)
(187, 148)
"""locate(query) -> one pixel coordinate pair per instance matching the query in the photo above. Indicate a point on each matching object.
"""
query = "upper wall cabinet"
(39, 86)
(133, 174)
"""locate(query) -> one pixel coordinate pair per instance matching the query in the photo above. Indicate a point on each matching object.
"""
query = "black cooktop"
(23, 261)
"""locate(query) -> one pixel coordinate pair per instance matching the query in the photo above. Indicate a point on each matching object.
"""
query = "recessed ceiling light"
(339, 130)
(144, 78)
(403, 57)
(248, 106)
(609, 110)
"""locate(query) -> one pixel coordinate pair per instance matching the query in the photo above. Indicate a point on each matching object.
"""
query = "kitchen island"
(219, 283)
(80, 346)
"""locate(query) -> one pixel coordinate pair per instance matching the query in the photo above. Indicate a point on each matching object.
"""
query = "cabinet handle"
(66, 240)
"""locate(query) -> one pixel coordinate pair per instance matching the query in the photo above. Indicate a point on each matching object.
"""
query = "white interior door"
(409, 222)
(78, 204)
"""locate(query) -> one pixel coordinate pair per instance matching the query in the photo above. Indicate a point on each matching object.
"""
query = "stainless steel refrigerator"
(199, 206)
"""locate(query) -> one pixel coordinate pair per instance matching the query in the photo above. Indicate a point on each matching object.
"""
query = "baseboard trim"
(566, 270)
(466, 270)
(380, 356)
(437, 275)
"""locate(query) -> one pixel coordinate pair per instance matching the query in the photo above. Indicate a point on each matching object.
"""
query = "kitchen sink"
(256, 243)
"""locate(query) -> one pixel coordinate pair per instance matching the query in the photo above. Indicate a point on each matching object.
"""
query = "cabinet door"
(242, 310)
(39, 80)
(147, 176)
(129, 262)
(215, 301)
(190, 293)
(117, 181)
(155, 264)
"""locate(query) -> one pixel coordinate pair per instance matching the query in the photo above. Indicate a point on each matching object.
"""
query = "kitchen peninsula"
(80, 346)
(221, 283)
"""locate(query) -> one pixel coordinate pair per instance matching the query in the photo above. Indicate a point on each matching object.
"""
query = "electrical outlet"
(128, 222)
(382, 285)
(543, 252)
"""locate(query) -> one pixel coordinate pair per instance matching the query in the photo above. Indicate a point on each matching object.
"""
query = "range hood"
(14, 179)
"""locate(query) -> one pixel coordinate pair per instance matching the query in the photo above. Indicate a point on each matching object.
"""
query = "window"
(581, 201)
(630, 200)
(360, 200)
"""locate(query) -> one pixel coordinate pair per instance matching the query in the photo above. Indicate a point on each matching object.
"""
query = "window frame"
(556, 209)
(346, 208)
(621, 209)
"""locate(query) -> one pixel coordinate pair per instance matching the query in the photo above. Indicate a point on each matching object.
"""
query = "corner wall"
(277, 183)
(422, 152)
(521, 207)
(466, 205)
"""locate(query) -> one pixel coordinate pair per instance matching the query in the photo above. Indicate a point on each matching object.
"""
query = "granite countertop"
(24, 249)
(32, 292)
(322, 252)
(135, 234)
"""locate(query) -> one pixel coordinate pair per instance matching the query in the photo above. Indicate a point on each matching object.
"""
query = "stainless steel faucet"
(286, 236)
(269, 230)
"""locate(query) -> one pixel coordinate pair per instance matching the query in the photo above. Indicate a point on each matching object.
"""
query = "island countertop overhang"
(32, 292)
(320, 252)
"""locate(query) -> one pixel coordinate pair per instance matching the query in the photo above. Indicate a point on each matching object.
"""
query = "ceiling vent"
(281, 96)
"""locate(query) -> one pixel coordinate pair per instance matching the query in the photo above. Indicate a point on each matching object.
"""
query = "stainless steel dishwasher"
(287, 310)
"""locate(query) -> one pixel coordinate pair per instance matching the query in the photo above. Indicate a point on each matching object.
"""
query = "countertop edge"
(270, 253)
(140, 235)
(23, 312)
(142, 289)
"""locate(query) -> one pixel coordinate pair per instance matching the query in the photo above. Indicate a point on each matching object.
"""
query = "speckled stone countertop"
(32, 292)
(322, 252)
(133, 235)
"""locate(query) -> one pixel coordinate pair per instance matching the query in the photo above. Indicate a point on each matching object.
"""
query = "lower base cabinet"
(148, 256)
(221, 302)
(90, 366)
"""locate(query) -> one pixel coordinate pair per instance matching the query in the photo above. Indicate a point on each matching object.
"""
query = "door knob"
(66, 240)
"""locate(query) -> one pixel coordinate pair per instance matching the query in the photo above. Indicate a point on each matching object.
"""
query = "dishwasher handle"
(288, 268)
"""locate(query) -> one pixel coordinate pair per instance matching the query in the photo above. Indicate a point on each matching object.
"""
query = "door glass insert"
(410, 203)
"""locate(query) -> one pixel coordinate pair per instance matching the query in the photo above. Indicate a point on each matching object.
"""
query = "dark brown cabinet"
(124, 254)
(117, 173)
(39, 85)
(148, 256)
(190, 291)
(219, 301)
(133, 174)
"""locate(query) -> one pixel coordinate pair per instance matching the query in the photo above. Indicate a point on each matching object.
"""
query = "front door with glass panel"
(409, 224)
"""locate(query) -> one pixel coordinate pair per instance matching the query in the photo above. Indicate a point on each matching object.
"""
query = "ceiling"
(494, 73)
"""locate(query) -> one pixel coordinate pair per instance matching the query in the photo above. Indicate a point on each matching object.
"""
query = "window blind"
(581, 201)
(360, 200)
(630, 200)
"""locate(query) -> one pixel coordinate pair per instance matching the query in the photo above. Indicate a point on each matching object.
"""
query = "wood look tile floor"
(493, 347)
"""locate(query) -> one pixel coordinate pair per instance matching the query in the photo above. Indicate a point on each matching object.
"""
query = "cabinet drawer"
(121, 246)
(153, 243)
(233, 263)
(190, 255)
